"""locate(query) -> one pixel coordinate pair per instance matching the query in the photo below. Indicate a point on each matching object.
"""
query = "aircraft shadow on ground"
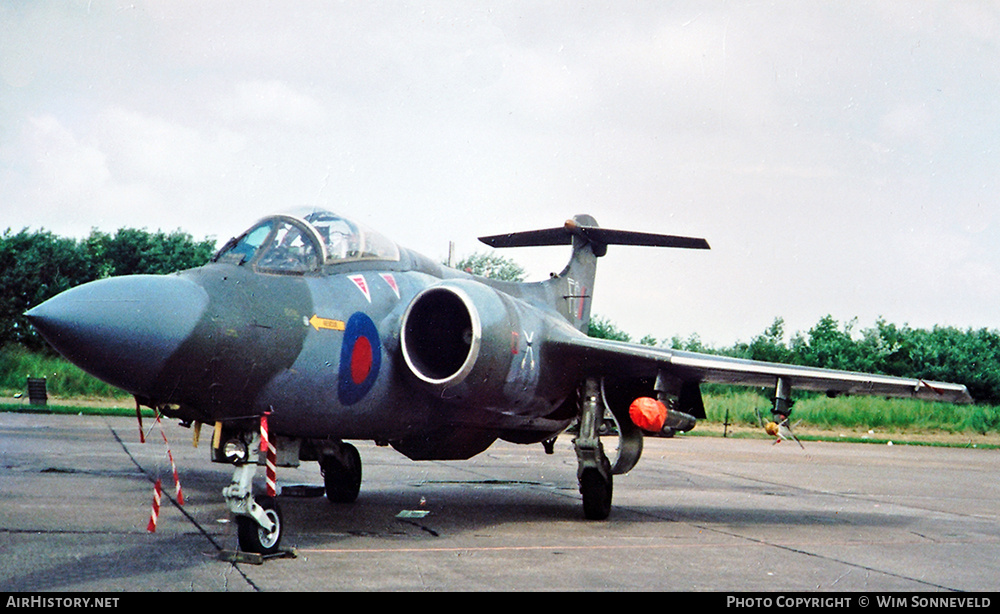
(451, 509)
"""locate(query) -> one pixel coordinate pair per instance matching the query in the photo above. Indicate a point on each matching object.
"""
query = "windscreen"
(298, 244)
(274, 245)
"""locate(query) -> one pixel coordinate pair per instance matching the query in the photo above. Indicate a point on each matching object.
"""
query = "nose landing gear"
(258, 519)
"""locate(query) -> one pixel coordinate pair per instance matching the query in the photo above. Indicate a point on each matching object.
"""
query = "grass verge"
(731, 410)
(711, 427)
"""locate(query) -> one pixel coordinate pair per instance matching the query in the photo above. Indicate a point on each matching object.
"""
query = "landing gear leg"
(340, 465)
(258, 519)
(593, 467)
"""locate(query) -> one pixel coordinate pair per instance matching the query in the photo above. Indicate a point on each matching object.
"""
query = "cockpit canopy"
(298, 244)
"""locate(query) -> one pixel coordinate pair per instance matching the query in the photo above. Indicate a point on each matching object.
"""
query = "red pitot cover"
(648, 414)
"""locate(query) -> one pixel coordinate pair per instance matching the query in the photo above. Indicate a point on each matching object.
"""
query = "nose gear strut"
(258, 519)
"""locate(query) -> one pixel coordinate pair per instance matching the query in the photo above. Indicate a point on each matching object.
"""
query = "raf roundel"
(360, 359)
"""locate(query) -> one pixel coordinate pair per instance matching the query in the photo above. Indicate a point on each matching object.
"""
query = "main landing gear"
(593, 467)
(340, 465)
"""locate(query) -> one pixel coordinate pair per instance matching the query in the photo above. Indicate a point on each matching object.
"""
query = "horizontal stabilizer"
(530, 238)
(600, 238)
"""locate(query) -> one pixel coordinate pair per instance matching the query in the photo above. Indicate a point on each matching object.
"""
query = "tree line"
(970, 357)
(37, 265)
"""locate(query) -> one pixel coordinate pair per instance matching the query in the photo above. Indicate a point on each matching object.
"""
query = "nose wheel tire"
(254, 538)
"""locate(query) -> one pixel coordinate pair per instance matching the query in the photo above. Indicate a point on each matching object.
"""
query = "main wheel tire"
(597, 491)
(254, 538)
(342, 479)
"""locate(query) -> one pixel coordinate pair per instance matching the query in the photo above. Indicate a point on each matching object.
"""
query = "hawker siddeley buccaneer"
(332, 333)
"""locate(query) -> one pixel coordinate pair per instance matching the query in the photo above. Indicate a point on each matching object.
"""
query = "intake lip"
(123, 329)
(441, 335)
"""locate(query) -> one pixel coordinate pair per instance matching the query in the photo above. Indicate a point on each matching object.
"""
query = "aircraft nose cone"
(123, 329)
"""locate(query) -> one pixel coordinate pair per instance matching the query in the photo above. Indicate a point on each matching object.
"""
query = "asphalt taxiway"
(697, 514)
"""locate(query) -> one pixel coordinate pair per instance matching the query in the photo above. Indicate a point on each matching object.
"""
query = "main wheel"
(596, 491)
(253, 537)
(342, 477)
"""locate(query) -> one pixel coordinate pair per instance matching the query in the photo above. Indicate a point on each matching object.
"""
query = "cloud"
(154, 148)
(270, 102)
(63, 167)
(911, 122)
(65, 180)
(818, 147)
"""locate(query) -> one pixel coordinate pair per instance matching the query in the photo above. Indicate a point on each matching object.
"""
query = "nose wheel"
(252, 536)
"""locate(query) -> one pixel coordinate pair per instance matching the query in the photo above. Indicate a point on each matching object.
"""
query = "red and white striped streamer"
(155, 513)
(267, 448)
(178, 493)
(138, 415)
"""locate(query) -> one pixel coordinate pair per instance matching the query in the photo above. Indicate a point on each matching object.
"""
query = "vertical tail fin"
(575, 285)
(572, 289)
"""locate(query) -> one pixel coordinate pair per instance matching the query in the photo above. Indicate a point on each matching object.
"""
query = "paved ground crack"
(180, 508)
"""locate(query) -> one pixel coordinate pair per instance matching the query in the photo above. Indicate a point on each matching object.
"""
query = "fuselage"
(318, 344)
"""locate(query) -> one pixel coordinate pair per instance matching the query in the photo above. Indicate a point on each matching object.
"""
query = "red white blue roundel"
(360, 359)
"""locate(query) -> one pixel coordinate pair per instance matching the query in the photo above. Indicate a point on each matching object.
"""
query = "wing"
(601, 357)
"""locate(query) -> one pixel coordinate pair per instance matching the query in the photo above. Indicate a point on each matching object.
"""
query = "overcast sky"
(840, 157)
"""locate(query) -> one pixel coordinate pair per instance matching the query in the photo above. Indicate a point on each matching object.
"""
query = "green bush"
(37, 265)
(63, 379)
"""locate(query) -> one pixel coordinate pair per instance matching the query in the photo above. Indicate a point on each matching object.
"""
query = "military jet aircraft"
(331, 332)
